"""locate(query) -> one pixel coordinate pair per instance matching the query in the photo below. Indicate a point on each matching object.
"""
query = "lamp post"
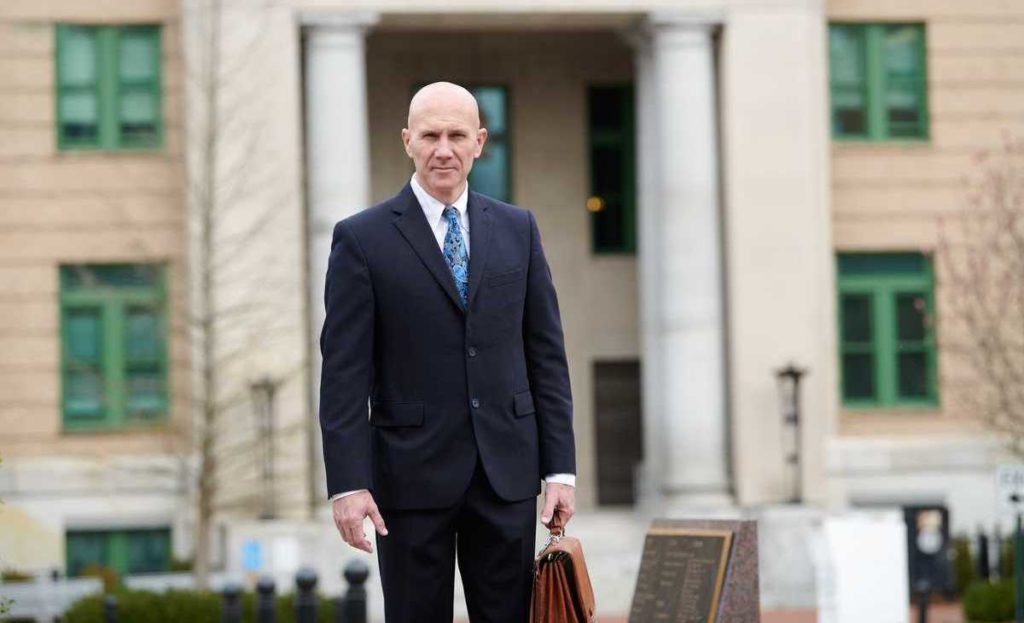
(263, 392)
(788, 379)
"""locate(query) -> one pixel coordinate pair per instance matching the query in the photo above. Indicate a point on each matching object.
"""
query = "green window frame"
(611, 155)
(108, 87)
(887, 344)
(878, 81)
(114, 346)
(129, 552)
(492, 171)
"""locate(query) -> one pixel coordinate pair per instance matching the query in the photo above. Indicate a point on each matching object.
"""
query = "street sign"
(1010, 488)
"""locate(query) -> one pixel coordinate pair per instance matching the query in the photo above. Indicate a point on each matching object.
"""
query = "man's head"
(443, 138)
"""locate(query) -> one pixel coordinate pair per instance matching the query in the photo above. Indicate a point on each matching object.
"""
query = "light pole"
(788, 379)
(263, 397)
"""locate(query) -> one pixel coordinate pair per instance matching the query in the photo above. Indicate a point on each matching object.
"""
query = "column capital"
(330, 21)
(680, 27)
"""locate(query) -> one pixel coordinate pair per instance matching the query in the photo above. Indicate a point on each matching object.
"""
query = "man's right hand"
(349, 513)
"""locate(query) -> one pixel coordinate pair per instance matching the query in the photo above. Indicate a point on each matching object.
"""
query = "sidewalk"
(938, 613)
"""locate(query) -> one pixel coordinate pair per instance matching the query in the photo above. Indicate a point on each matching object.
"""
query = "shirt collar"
(434, 209)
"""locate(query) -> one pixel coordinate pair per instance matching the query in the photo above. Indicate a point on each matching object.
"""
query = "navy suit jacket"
(443, 384)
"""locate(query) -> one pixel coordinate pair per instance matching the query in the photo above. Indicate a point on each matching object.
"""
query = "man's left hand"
(559, 505)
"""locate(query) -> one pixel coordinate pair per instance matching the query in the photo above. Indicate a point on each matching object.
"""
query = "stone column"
(337, 162)
(685, 419)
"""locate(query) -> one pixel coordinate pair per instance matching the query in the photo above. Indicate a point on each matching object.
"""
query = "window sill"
(103, 428)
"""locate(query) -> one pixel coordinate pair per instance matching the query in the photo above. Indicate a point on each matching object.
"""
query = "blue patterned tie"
(455, 253)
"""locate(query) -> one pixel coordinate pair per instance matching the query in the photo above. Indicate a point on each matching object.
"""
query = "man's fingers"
(378, 521)
(549, 510)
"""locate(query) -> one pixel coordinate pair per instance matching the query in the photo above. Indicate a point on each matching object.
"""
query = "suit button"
(475, 403)
(472, 352)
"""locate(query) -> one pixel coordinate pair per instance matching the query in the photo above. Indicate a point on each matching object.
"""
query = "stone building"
(724, 188)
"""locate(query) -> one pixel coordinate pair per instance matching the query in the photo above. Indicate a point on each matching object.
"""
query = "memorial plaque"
(698, 571)
(681, 575)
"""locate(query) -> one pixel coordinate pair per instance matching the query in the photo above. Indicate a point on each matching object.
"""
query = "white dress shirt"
(434, 211)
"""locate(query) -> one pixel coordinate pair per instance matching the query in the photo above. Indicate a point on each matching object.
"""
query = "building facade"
(724, 189)
(95, 381)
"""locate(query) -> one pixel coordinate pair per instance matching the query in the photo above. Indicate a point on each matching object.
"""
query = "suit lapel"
(479, 241)
(412, 223)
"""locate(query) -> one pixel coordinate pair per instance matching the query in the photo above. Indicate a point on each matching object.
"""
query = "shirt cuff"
(561, 479)
(338, 496)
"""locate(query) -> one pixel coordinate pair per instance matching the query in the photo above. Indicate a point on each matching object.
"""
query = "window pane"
(137, 56)
(77, 55)
(113, 275)
(856, 309)
(490, 172)
(858, 376)
(138, 107)
(142, 335)
(882, 264)
(903, 106)
(145, 392)
(849, 112)
(606, 170)
(84, 549)
(902, 52)
(148, 551)
(910, 317)
(913, 375)
(83, 395)
(84, 335)
(607, 108)
(492, 108)
(79, 116)
(846, 54)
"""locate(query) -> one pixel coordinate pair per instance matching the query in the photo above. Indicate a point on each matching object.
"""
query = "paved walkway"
(939, 613)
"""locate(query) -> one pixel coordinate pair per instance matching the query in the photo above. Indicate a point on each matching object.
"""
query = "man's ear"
(406, 137)
(481, 138)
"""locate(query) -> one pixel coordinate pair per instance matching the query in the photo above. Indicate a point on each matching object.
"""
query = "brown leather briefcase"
(561, 585)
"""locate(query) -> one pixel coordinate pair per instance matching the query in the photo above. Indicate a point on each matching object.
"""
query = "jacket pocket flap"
(505, 277)
(523, 403)
(386, 414)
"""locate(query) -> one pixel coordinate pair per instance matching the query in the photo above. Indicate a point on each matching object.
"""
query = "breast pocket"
(505, 277)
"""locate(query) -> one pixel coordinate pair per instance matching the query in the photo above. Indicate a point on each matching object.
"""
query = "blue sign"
(252, 555)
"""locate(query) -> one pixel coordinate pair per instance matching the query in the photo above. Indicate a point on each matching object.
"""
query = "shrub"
(13, 576)
(986, 602)
(179, 606)
(964, 565)
(1006, 558)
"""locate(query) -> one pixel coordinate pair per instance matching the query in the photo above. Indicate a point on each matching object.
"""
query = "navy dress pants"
(494, 542)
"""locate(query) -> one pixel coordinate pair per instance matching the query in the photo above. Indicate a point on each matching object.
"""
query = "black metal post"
(1018, 570)
(351, 608)
(924, 591)
(110, 609)
(984, 562)
(231, 603)
(266, 603)
(305, 597)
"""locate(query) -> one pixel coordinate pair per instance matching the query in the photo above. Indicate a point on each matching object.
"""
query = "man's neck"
(447, 200)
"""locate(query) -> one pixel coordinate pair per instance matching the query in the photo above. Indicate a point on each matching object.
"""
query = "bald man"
(458, 350)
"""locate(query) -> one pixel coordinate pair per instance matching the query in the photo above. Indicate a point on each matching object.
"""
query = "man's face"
(443, 139)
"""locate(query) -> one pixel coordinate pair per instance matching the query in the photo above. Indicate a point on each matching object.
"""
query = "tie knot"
(450, 211)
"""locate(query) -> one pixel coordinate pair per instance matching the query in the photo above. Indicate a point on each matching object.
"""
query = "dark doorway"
(619, 429)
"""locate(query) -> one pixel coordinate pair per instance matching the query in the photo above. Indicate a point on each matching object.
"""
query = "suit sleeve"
(346, 343)
(546, 365)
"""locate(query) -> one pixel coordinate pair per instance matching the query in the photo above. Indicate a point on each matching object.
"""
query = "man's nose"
(444, 148)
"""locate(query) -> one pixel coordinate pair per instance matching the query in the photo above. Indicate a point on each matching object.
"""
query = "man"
(442, 314)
